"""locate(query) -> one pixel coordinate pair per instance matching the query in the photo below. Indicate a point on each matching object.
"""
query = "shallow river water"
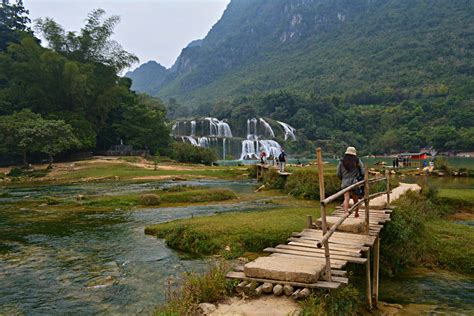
(60, 262)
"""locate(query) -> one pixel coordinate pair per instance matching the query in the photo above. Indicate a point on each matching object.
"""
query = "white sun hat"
(351, 151)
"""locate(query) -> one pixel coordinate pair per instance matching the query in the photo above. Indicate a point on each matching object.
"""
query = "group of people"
(279, 161)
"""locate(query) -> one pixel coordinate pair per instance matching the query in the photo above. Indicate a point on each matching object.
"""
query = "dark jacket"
(349, 177)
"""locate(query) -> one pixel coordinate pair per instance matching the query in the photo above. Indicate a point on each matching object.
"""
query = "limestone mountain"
(148, 78)
(322, 46)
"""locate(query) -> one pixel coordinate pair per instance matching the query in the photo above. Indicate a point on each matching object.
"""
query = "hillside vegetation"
(381, 74)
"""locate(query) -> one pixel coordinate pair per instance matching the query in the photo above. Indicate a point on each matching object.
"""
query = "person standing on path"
(350, 170)
(282, 159)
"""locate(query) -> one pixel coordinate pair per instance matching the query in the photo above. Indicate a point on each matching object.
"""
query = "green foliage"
(209, 287)
(13, 22)
(418, 235)
(273, 180)
(305, 184)
(344, 301)
(149, 199)
(184, 152)
(199, 196)
(441, 163)
(94, 43)
(375, 74)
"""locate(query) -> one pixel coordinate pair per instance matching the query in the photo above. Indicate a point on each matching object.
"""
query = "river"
(60, 262)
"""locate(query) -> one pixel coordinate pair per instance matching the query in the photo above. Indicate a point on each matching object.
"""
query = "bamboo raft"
(330, 245)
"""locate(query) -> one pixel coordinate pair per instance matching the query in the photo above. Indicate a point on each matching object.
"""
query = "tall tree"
(13, 22)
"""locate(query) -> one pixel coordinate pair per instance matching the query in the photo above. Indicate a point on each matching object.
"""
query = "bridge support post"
(387, 175)
(309, 221)
(368, 290)
(375, 277)
(366, 201)
(323, 213)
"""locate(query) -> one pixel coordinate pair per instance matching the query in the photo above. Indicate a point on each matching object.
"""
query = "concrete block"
(301, 270)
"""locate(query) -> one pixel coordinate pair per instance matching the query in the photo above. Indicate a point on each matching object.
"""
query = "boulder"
(267, 288)
(294, 269)
(350, 225)
(278, 290)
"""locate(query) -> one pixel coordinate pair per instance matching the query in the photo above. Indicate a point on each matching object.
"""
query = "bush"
(273, 180)
(183, 152)
(441, 163)
(51, 200)
(149, 199)
(209, 288)
(305, 184)
(15, 172)
(344, 301)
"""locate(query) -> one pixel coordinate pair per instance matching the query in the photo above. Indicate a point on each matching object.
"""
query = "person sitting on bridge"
(350, 170)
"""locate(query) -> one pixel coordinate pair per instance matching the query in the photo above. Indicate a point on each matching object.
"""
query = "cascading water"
(248, 150)
(268, 129)
(190, 139)
(193, 128)
(213, 133)
(289, 131)
(203, 142)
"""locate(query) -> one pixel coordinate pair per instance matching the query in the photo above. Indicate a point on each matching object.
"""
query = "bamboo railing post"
(367, 200)
(387, 175)
(309, 221)
(323, 213)
(375, 277)
(368, 290)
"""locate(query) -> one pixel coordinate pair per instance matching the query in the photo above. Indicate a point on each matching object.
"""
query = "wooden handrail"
(340, 193)
(379, 179)
(337, 224)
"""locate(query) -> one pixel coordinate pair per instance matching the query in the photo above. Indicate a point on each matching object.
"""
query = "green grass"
(451, 244)
(232, 234)
(192, 196)
(457, 194)
(126, 171)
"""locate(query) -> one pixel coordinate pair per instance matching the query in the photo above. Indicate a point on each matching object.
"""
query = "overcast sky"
(151, 29)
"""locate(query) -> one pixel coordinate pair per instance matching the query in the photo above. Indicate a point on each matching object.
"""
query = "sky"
(151, 29)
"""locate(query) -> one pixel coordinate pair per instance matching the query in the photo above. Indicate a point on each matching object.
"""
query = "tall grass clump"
(210, 287)
(343, 301)
(149, 199)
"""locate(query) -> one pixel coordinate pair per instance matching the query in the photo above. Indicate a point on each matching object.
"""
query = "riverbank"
(421, 233)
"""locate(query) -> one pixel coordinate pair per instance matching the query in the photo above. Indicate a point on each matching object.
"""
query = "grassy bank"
(233, 234)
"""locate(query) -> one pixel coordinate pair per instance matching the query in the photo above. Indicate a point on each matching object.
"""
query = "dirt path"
(262, 306)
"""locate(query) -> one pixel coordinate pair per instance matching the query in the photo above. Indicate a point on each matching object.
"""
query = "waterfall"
(270, 147)
(190, 139)
(223, 149)
(248, 150)
(203, 142)
(193, 128)
(218, 128)
(252, 129)
(289, 130)
(268, 129)
(175, 125)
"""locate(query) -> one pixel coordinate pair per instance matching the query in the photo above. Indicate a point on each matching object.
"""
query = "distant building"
(417, 159)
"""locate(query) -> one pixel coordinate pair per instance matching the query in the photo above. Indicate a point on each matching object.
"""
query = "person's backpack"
(360, 192)
(281, 157)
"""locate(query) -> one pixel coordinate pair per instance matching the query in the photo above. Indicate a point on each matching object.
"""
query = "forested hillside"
(386, 75)
(69, 96)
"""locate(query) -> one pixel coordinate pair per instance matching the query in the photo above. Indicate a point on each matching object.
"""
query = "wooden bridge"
(317, 256)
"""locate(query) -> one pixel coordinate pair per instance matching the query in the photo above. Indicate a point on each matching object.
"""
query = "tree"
(13, 23)
(93, 44)
(52, 137)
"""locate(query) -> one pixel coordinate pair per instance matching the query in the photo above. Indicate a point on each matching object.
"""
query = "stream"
(60, 262)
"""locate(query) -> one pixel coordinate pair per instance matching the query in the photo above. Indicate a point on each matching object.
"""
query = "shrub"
(343, 301)
(252, 169)
(305, 184)
(15, 172)
(441, 163)
(149, 199)
(209, 287)
(50, 200)
(273, 180)
(183, 152)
